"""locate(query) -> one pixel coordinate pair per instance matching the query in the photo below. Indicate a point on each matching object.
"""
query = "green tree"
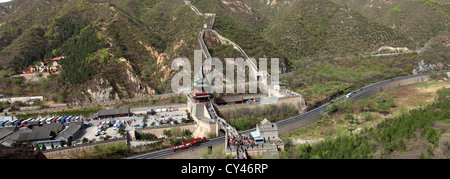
(147, 136)
(167, 133)
(332, 108)
(122, 130)
(176, 142)
(3, 74)
(432, 134)
(397, 10)
(401, 145)
(421, 103)
(442, 94)
(55, 53)
(383, 108)
(422, 156)
(362, 104)
(85, 140)
(367, 116)
(189, 117)
(17, 81)
(390, 102)
(177, 132)
(372, 106)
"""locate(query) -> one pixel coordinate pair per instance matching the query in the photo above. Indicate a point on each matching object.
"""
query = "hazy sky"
(4, 1)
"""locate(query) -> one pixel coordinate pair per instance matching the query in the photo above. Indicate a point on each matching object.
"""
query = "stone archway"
(221, 133)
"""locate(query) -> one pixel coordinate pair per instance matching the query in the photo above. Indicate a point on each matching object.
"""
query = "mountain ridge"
(124, 48)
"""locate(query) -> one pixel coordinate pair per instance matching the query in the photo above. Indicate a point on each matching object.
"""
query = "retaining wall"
(298, 101)
(66, 151)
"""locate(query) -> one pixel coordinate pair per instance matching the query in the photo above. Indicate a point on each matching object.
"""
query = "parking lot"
(131, 123)
(128, 122)
(166, 117)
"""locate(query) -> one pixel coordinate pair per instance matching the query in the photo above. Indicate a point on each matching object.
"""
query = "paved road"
(355, 94)
(309, 114)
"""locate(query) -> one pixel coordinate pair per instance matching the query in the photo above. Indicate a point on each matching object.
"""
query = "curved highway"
(355, 94)
(304, 116)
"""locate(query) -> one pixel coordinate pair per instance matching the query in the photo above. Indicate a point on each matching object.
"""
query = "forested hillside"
(308, 27)
(118, 49)
(300, 28)
(113, 49)
(418, 19)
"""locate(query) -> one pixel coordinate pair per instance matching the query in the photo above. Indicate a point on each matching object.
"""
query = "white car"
(349, 95)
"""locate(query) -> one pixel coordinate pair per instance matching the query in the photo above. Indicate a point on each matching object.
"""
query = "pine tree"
(422, 156)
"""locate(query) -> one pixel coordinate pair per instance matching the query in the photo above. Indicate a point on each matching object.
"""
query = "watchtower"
(200, 90)
(267, 130)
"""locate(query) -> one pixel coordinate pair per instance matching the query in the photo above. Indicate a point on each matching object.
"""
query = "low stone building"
(112, 113)
(266, 139)
(267, 130)
(40, 134)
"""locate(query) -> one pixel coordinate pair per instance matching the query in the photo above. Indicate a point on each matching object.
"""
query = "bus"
(259, 140)
(3, 123)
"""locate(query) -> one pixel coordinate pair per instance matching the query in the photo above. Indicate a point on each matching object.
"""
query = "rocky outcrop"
(161, 58)
(422, 67)
(394, 49)
(101, 91)
(237, 5)
(139, 88)
(274, 2)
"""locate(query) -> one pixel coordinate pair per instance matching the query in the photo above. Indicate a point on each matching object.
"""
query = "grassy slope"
(418, 19)
(230, 25)
(306, 28)
(336, 126)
